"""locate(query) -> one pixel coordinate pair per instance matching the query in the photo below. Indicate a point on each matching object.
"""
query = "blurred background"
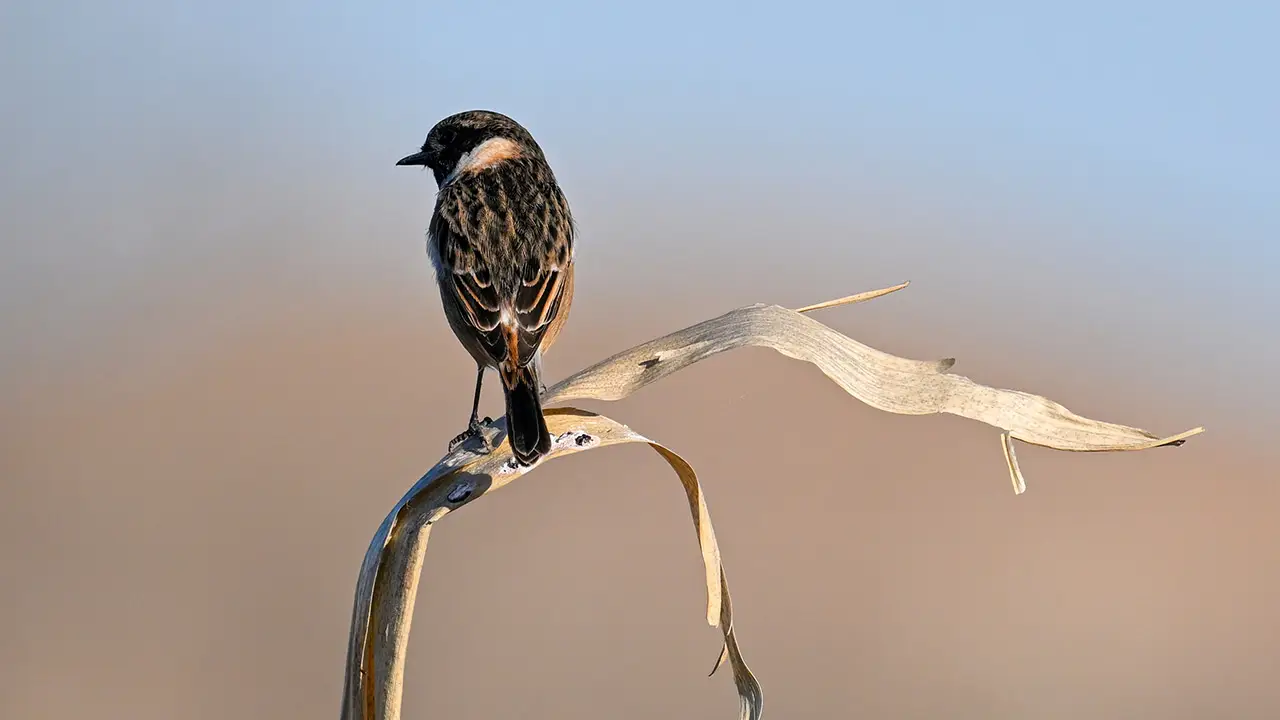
(224, 360)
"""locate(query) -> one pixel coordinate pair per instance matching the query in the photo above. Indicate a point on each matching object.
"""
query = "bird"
(501, 241)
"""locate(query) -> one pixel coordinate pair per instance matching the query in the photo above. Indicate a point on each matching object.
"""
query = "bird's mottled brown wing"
(503, 271)
(539, 302)
(471, 302)
(561, 313)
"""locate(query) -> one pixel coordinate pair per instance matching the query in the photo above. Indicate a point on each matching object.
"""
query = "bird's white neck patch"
(490, 152)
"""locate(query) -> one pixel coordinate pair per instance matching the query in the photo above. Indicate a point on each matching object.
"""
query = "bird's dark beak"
(418, 158)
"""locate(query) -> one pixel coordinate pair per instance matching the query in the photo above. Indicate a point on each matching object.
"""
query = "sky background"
(202, 231)
(1115, 161)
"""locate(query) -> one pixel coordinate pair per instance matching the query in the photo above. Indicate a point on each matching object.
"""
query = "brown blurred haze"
(224, 362)
(187, 499)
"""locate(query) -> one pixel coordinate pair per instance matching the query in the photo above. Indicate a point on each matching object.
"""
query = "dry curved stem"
(388, 578)
(389, 575)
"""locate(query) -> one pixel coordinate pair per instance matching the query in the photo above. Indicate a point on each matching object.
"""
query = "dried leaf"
(883, 381)
(1011, 459)
(750, 695)
(852, 299)
(388, 579)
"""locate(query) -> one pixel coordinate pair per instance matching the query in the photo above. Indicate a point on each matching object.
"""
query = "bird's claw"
(475, 429)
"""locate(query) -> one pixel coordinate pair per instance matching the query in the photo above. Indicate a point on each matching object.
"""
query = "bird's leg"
(473, 425)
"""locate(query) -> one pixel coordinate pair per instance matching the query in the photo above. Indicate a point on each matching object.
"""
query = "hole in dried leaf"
(461, 491)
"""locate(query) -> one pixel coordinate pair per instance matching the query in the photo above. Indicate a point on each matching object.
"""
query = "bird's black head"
(455, 143)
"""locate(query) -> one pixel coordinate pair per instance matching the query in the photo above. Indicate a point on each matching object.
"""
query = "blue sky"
(1168, 104)
(1139, 137)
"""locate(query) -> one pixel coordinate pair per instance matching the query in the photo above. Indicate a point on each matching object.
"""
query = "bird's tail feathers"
(526, 426)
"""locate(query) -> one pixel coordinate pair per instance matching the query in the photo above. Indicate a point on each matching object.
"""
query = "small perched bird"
(501, 240)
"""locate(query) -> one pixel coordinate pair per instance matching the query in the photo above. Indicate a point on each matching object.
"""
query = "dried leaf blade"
(884, 381)
(390, 572)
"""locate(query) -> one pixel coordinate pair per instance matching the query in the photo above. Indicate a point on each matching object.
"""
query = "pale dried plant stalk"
(388, 581)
